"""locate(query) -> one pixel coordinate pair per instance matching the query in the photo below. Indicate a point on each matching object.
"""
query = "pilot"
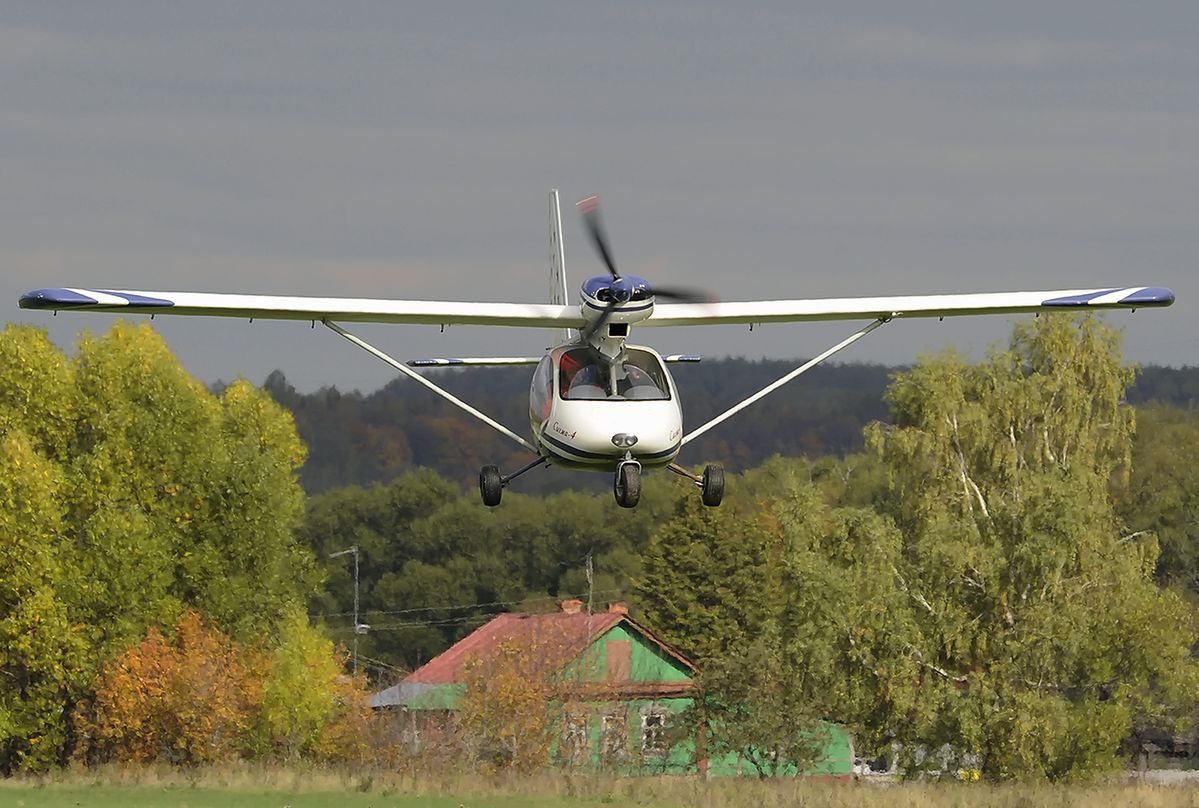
(637, 384)
(588, 382)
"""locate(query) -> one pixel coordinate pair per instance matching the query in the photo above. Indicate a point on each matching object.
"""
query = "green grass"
(278, 787)
(186, 797)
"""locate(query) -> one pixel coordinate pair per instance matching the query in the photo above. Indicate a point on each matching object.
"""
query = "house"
(616, 684)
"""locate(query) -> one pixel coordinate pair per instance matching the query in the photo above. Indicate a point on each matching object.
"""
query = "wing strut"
(448, 396)
(765, 391)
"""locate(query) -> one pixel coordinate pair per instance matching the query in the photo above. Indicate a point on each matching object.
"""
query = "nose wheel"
(627, 485)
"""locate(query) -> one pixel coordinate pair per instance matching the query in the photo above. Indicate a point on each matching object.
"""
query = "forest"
(995, 555)
(361, 439)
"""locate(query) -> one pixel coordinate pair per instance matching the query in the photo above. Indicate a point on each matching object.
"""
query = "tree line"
(360, 439)
(1003, 565)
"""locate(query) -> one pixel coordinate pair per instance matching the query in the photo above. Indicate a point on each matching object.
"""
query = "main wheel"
(627, 486)
(491, 486)
(713, 487)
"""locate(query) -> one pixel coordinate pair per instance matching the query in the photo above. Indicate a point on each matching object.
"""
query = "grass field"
(280, 787)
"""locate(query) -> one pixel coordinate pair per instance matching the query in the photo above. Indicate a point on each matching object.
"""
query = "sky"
(759, 150)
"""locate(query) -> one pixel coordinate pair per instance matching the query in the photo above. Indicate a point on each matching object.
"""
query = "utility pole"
(359, 628)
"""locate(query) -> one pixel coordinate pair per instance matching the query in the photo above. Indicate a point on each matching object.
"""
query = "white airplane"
(596, 402)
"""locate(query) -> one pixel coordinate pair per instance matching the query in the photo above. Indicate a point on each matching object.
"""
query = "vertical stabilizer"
(557, 258)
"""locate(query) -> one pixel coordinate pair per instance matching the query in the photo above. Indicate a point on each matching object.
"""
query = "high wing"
(537, 315)
(861, 308)
(274, 307)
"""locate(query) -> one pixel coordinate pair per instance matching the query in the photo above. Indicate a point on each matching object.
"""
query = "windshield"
(640, 377)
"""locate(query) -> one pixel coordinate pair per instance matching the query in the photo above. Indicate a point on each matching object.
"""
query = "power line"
(378, 663)
(415, 609)
(449, 621)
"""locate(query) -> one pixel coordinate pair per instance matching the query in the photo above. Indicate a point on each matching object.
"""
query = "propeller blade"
(589, 209)
(600, 321)
(683, 294)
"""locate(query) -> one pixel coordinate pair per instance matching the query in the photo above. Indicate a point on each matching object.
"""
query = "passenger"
(588, 382)
(569, 366)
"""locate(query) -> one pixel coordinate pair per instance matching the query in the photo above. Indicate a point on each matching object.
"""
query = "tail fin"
(557, 258)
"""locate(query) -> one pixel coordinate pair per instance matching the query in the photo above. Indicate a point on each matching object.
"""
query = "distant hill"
(359, 439)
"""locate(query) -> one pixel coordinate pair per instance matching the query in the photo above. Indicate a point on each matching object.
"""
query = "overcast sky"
(758, 150)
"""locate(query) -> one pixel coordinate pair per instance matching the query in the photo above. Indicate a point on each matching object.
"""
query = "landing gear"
(491, 486)
(711, 485)
(711, 490)
(627, 485)
(492, 483)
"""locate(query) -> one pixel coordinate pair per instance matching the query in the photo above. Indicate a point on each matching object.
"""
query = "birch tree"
(1042, 637)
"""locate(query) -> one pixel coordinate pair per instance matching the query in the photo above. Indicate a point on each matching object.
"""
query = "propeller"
(590, 210)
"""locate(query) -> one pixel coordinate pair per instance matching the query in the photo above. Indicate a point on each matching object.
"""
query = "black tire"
(491, 486)
(712, 491)
(627, 485)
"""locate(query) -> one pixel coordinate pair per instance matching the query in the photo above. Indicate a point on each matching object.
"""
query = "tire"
(627, 485)
(712, 491)
(491, 486)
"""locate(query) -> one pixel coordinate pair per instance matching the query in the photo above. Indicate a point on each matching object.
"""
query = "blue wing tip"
(1150, 296)
(53, 299)
(69, 299)
(1147, 296)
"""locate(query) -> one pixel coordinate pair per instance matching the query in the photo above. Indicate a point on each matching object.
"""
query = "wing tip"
(53, 299)
(1150, 296)
(1136, 297)
(59, 298)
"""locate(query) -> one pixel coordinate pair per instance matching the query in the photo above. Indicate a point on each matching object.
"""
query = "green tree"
(710, 579)
(752, 704)
(41, 651)
(434, 564)
(300, 692)
(1042, 637)
(133, 494)
(1162, 496)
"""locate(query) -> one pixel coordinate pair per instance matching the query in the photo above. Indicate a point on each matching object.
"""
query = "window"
(653, 732)
(583, 374)
(614, 728)
(573, 748)
(541, 390)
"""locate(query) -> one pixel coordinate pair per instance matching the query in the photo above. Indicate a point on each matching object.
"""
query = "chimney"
(618, 607)
(572, 606)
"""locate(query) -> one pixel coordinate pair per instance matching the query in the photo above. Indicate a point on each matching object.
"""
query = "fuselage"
(593, 414)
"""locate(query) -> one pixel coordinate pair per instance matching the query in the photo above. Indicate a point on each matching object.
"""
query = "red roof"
(566, 634)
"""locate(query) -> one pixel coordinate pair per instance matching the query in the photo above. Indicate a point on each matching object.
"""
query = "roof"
(566, 634)
(560, 637)
(402, 693)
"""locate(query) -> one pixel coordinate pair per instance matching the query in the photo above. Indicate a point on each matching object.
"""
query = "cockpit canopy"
(582, 374)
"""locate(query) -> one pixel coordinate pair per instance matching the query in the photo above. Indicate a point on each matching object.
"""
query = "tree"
(41, 651)
(434, 564)
(302, 693)
(1041, 636)
(132, 495)
(750, 705)
(1162, 496)
(190, 700)
(709, 579)
(506, 716)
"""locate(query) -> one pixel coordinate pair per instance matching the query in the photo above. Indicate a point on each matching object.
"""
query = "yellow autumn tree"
(188, 699)
(506, 717)
(310, 707)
